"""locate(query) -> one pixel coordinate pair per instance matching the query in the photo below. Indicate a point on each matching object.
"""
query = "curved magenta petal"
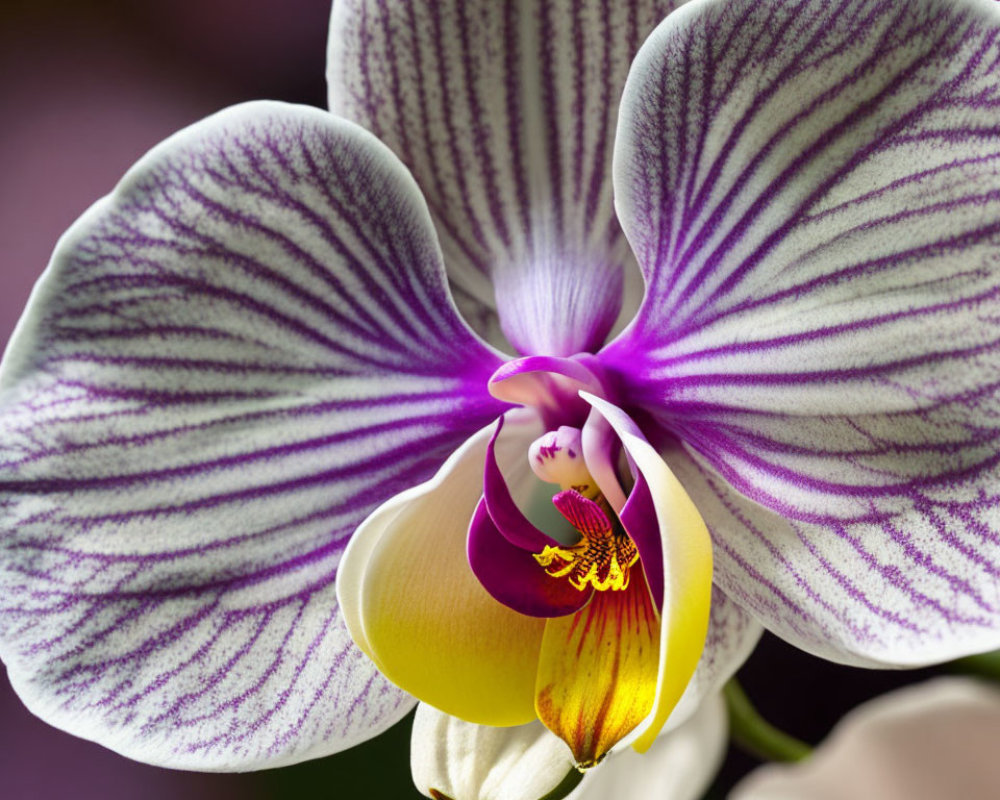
(638, 517)
(509, 520)
(548, 384)
(412, 603)
(514, 577)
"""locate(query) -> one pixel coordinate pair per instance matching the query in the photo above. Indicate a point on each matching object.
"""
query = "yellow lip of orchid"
(414, 606)
(606, 669)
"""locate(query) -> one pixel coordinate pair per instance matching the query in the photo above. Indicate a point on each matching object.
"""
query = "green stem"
(568, 784)
(986, 665)
(755, 734)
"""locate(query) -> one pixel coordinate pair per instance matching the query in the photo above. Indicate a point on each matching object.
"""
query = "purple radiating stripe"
(577, 106)
(854, 591)
(763, 96)
(829, 136)
(434, 171)
(486, 167)
(799, 616)
(317, 409)
(836, 374)
(524, 96)
(553, 136)
(447, 79)
(772, 497)
(515, 113)
(237, 219)
(203, 468)
(395, 84)
(133, 415)
(367, 97)
(811, 334)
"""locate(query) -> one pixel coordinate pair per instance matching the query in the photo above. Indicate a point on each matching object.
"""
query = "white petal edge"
(303, 668)
(819, 231)
(505, 112)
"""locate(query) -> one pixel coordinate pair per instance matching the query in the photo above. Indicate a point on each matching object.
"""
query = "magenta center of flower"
(602, 556)
(601, 559)
(554, 570)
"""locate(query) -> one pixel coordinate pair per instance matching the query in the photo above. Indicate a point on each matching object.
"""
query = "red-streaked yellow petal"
(597, 674)
(424, 618)
(687, 570)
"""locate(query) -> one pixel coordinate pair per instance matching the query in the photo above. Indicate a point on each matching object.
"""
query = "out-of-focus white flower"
(933, 741)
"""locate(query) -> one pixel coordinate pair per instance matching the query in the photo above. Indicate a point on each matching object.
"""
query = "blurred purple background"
(88, 87)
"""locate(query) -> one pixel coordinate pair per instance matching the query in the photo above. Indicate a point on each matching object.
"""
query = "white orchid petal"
(811, 191)
(230, 361)
(505, 112)
(475, 762)
(732, 636)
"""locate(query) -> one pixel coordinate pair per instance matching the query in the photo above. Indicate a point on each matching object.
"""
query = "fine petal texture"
(505, 112)
(414, 605)
(475, 762)
(229, 362)
(597, 673)
(811, 191)
(732, 636)
(679, 766)
(924, 742)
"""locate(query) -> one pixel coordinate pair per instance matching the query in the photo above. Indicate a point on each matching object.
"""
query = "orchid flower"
(250, 349)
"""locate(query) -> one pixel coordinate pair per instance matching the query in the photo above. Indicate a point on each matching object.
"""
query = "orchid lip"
(516, 561)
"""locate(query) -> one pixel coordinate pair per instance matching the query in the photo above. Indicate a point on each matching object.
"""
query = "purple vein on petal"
(506, 115)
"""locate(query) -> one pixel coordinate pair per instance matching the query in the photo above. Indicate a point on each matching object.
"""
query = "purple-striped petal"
(811, 190)
(229, 362)
(506, 112)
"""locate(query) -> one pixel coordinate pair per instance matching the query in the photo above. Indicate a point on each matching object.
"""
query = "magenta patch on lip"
(512, 575)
